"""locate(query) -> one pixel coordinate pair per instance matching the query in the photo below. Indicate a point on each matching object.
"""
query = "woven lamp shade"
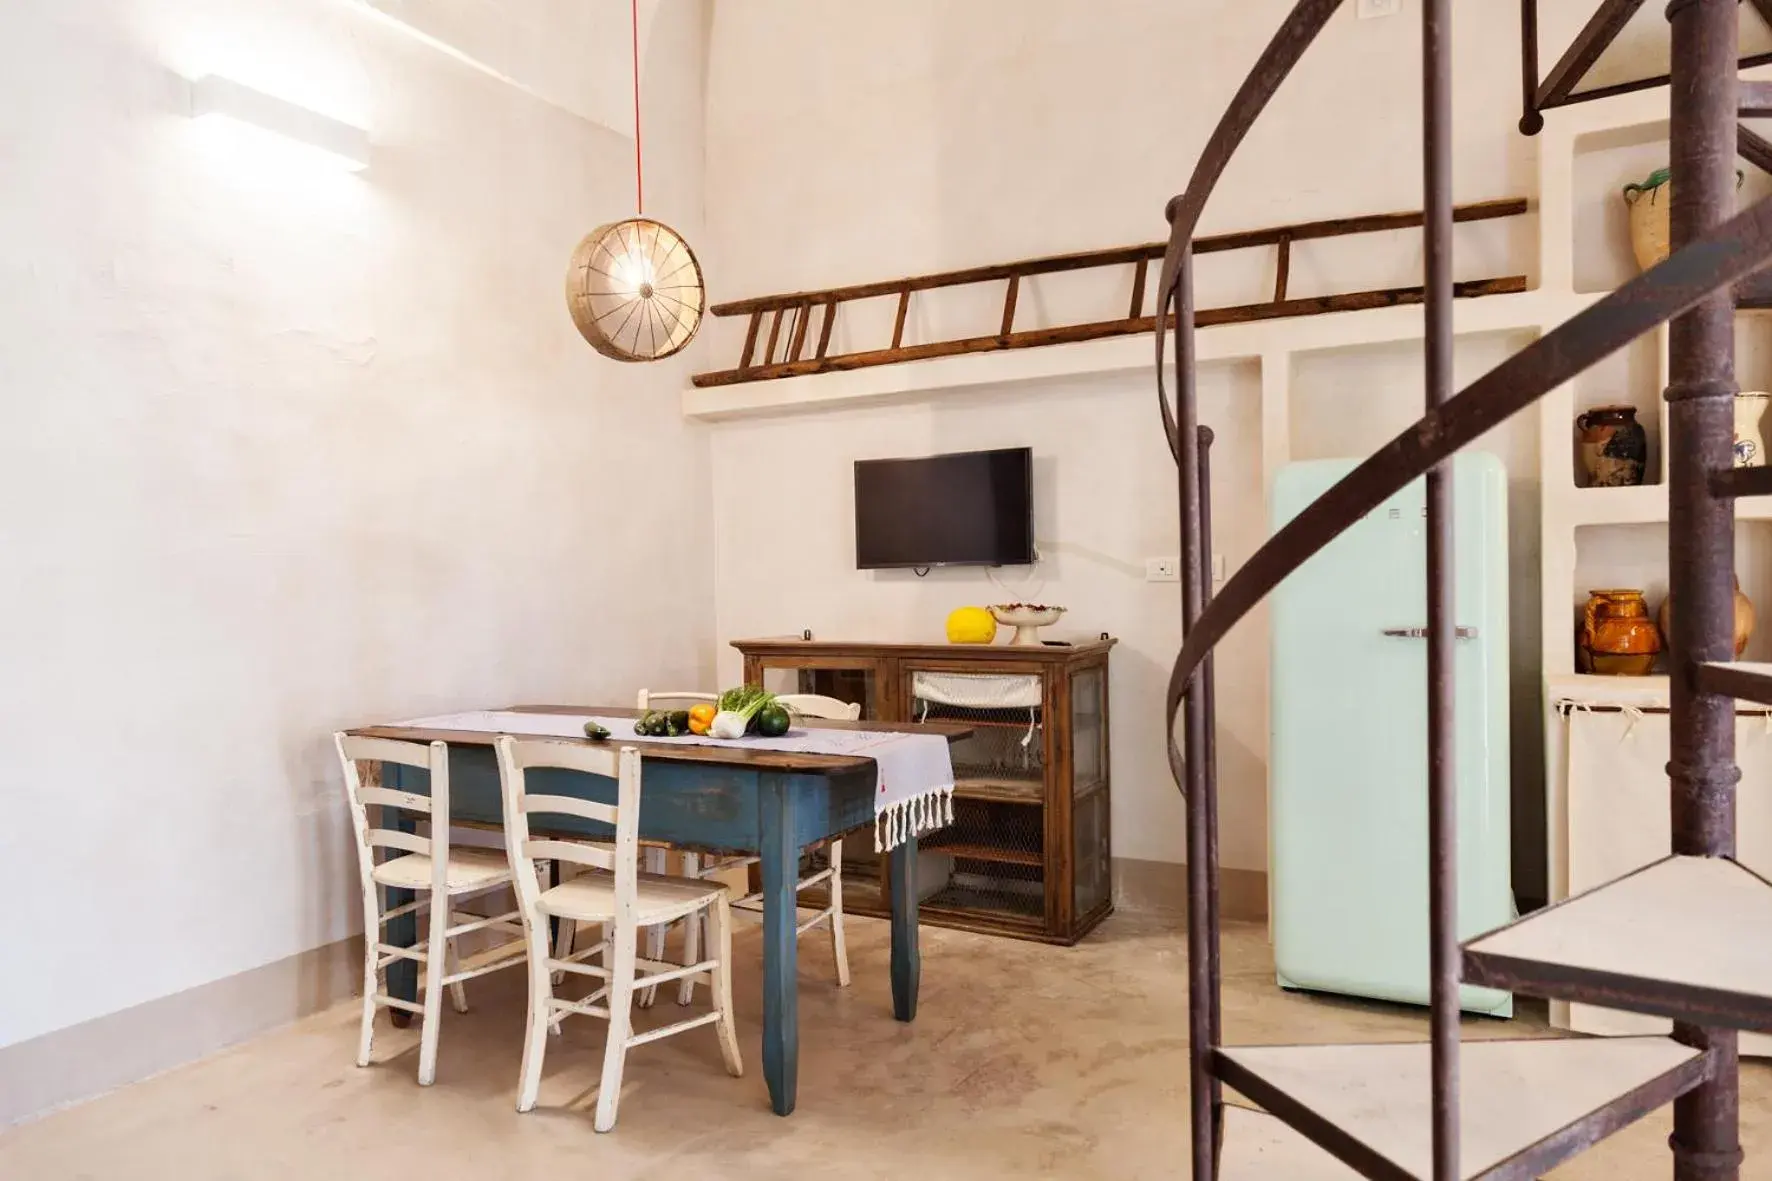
(635, 290)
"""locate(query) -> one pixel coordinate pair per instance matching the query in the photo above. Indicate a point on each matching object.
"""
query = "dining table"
(769, 804)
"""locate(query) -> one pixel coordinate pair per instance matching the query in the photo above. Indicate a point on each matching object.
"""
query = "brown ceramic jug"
(1617, 636)
(1744, 620)
(1614, 446)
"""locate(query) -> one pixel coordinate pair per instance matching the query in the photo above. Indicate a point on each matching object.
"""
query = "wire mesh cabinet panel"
(1028, 853)
(1091, 862)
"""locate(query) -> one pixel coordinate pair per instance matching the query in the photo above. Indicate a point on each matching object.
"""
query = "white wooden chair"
(809, 705)
(440, 875)
(615, 894)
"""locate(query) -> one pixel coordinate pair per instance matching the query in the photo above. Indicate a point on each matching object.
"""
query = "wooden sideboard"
(1028, 852)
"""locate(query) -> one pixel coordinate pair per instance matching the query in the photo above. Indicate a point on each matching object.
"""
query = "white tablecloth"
(915, 775)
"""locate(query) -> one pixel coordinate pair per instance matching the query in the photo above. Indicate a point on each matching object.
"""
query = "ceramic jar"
(1614, 447)
(1617, 636)
(1750, 448)
(1649, 203)
(1744, 621)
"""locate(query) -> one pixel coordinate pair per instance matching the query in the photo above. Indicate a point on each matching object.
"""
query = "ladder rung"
(1742, 481)
(1747, 682)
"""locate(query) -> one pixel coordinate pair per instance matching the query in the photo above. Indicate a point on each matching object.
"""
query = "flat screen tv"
(971, 508)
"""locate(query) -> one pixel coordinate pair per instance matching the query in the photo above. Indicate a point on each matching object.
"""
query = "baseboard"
(1160, 887)
(85, 1060)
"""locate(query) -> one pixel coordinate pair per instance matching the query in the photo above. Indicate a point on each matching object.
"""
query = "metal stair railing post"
(1209, 700)
(1702, 774)
(1442, 764)
(1185, 443)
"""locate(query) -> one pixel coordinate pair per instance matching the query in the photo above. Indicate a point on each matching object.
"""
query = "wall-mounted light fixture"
(223, 99)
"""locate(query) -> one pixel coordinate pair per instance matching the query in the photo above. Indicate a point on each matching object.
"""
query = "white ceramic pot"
(1750, 448)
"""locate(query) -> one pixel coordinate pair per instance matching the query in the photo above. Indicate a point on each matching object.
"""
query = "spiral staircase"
(1688, 938)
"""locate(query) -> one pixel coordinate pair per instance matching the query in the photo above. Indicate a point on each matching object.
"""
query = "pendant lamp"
(634, 288)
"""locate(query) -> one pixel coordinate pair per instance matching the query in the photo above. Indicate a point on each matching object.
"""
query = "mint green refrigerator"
(1348, 773)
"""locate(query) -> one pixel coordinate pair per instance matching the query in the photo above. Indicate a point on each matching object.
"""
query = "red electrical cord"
(639, 184)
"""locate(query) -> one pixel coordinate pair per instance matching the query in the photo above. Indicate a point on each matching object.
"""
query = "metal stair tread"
(1744, 680)
(1370, 1104)
(1258, 1147)
(1683, 937)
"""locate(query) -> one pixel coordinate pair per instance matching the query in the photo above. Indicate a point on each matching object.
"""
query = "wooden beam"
(1140, 268)
(1600, 31)
(824, 332)
(1120, 256)
(1009, 307)
(904, 305)
(1282, 270)
(1070, 333)
(1764, 8)
(1753, 148)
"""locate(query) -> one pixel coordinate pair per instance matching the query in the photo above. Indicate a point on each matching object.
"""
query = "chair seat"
(590, 898)
(468, 868)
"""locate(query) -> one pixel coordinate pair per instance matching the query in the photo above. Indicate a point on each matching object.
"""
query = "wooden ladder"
(785, 352)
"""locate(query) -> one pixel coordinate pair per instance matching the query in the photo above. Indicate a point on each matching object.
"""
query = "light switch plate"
(1373, 9)
(1162, 569)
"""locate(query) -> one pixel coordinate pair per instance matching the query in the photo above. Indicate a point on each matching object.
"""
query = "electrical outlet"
(1373, 9)
(1162, 569)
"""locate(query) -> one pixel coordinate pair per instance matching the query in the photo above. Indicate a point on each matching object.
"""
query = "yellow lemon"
(971, 625)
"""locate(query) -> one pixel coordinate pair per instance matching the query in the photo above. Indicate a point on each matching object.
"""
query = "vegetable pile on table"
(748, 709)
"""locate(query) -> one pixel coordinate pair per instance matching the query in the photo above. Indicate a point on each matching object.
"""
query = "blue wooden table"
(770, 804)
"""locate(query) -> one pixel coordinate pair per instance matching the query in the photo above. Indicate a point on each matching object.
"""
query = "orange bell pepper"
(701, 717)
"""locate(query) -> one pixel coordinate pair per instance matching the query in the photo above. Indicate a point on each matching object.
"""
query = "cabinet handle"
(1420, 633)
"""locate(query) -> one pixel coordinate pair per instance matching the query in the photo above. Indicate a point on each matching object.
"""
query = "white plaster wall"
(288, 449)
(886, 140)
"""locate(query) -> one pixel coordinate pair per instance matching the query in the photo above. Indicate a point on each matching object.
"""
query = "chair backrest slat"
(516, 757)
(354, 750)
(387, 797)
(385, 750)
(570, 806)
(550, 850)
(653, 699)
(816, 705)
(571, 756)
(393, 838)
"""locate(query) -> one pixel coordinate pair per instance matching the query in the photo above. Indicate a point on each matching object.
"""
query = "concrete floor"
(1024, 1061)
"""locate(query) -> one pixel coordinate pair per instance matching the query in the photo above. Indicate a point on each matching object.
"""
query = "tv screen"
(974, 508)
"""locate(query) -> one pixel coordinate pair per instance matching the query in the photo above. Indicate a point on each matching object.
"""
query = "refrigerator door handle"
(1420, 633)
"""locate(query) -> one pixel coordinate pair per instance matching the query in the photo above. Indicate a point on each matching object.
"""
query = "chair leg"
(720, 916)
(655, 936)
(692, 928)
(839, 948)
(621, 1001)
(564, 945)
(458, 993)
(371, 979)
(436, 953)
(541, 992)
